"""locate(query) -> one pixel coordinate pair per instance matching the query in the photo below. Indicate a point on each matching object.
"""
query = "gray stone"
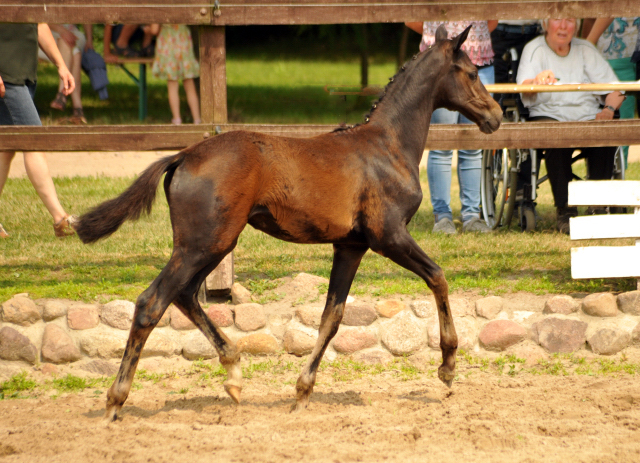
(609, 341)
(600, 305)
(20, 310)
(118, 314)
(353, 340)
(629, 302)
(373, 356)
(83, 316)
(15, 346)
(100, 367)
(389, 309)
(250, 317)
(559, 335)
(563, 305)
(489, 307)
(103, 342)
(498, 335)
(359, 314)
(310, 315)
(299, 343)
(404, 334)
(54, 308)
(197, 346)
(635, 335)
(465, 329)
(57, 345)
(240, 294)
(161, 343)
(423, 309)
(221, 315)
(179, 321)
(258, 344)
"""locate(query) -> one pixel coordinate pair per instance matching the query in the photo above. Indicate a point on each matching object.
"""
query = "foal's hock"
(356, 188)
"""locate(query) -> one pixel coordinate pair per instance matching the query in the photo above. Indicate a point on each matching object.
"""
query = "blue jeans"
(17, 106)
(469, 167)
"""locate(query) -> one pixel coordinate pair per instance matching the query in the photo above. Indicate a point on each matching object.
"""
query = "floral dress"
(174, 54)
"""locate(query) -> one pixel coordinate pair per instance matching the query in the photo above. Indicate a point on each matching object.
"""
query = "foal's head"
(460, 88)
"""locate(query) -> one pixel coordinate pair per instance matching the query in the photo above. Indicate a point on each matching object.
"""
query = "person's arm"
(414, 26)
(546, 77)
(599, 26)
(1, 88)
(64, 33)
(612, 102)
(492, 24)
(49, 47)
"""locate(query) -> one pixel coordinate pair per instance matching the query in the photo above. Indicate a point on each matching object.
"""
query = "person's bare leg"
(35, 164)
(192, 99)
(125, 35)
(67, 55)
(5, 164)
(174, 100)
(76, 70)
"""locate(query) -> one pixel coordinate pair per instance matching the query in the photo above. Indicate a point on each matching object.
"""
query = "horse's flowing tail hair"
(106, 218)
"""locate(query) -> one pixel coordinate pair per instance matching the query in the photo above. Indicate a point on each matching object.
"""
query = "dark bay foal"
(356, 188)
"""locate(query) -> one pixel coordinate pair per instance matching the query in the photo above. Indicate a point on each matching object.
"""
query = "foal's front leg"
(345, 265)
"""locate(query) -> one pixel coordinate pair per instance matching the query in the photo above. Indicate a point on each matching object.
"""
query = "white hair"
(545, 24)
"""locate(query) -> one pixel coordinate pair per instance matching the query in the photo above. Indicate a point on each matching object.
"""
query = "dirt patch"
(485, 417)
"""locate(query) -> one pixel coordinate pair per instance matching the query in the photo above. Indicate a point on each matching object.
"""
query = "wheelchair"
(502, 197)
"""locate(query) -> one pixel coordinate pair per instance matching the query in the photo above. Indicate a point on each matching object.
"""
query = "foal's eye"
(473, 76)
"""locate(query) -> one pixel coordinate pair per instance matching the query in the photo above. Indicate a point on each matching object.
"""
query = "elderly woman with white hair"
(559, 56)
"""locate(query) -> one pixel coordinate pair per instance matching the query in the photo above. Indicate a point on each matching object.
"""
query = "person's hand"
(605, 115)
(68, 82)
(1, 88)
(545, 78)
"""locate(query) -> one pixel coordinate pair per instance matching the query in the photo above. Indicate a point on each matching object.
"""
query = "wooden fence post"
(213, 104)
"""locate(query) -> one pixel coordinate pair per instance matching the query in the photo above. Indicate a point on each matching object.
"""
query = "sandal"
(125, 52)
(66, 227)
(149, 51)
(59, 102)
(78, 116)
(3, 232)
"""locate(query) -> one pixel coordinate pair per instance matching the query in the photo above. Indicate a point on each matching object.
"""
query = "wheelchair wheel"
(527, 219)
(497, 184)
(618, 165)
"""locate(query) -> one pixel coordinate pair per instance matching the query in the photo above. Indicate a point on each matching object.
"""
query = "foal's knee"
(148, 313)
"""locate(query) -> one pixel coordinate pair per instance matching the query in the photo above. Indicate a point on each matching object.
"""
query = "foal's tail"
(107, 217)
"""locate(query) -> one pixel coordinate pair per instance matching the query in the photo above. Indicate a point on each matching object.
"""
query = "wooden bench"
(140, 80)
(606, 261)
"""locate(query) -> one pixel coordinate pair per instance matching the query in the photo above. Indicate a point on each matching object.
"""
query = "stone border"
(59, 331)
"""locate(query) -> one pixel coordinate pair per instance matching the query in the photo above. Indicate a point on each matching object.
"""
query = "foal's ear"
(459, 40)
(441, 33)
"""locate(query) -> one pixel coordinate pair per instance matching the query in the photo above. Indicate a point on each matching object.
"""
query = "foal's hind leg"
(404, 251)
(345, 265)
(188, 303)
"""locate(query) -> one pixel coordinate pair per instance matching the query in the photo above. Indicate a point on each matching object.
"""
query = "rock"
(15, 346)
(100, 367)
(461, 307)
(250, 317)
(423, 309)
(465, 329)
(353, 340)
(563, 305)
(278, 324)
(179, 321)
(629, 302)
(531, 352)
(165, 320)
(49, 369)
(389, 309)
(118, 314)
(197, 346)
(240, 294)
(57, 345)
(299, 343)
(221, 315)
(373, 357)
(635, 335)
(609, 341)
(559, 335)
(600, 305)
(103, 342)
(258, 344)
(310, 315)
(404, 334)
(489, 307)
(54, 308)
(498, 335)
(20, 310)
(83, 316)
(161, 343)
(359, 314)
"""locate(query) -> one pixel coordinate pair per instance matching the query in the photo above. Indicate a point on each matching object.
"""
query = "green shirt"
(18, 53)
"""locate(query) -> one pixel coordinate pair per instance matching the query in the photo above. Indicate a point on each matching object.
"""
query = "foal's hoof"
(299, 407)
(445, 377)
(234, 392)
